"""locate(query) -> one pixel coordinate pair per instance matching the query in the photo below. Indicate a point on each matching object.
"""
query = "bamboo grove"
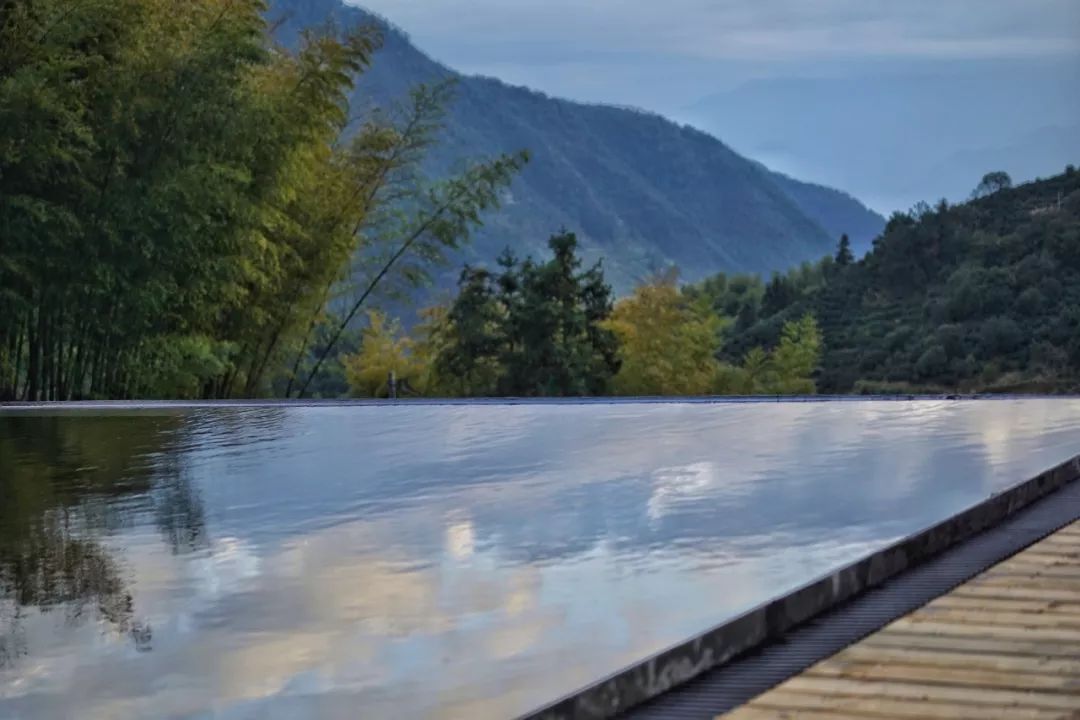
(178, 207)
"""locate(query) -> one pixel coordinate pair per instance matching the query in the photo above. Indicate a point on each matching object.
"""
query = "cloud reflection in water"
(459, 561)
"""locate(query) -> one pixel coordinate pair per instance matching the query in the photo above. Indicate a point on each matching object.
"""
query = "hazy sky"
(664, 55)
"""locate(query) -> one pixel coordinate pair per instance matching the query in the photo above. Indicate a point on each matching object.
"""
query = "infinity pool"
(444, 561)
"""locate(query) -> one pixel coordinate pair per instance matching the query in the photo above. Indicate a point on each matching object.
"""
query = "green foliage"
(152, 153)
(795, 359)
(980, 296)
(843, 252)
(761, 309)
(737, 296)
(535, 329)
(667, 342)
(383, 350)
(787, 369)
(177, 206)
(438, 220)
(991, 183)
(469, 364)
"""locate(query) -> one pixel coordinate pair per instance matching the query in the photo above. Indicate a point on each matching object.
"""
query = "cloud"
(766, 30)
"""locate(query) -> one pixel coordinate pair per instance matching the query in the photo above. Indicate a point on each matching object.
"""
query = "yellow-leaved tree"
(667, 342)
(384, 348)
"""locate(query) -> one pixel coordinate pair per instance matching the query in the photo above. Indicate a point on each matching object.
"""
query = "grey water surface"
(454, 561)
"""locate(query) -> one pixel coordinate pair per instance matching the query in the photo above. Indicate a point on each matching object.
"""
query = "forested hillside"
(639, 191)
(983, 296)
(836, 211)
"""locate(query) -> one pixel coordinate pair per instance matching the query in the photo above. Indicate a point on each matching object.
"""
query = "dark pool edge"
(772, 621)
(121, 405)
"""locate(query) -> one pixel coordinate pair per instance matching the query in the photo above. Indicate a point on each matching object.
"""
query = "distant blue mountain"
(642, 192)
(910, 133)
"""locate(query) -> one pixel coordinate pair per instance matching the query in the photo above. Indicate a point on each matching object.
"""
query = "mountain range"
(642, 193)
(902, 136)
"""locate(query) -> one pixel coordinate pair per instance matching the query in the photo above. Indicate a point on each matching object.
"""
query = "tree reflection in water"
(66, 483)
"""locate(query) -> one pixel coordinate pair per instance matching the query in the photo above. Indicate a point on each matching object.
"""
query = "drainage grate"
(736, 683)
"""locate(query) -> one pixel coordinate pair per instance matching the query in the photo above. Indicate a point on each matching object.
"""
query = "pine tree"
(844, 256)
(537, 329)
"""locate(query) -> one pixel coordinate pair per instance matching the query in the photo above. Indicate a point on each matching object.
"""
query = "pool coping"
(771, 621)
(134, 405)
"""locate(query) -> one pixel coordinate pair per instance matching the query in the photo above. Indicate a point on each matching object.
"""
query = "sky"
(627, 51)
(894, 102)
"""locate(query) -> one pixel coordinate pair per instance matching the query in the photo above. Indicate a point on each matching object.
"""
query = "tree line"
(982, 296)
(551, 328)
(978, 297)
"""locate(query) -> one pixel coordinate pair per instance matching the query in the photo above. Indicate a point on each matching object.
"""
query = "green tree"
(446, 214)
(178, 210)
(779, 293)
(536, 329)
(991, 183)
(467, 362)
(844, 256)
(149, 154)
(555, 343)
(787, 370)
(384, 349)
(757, 373)
(667, 342)
(796, 357)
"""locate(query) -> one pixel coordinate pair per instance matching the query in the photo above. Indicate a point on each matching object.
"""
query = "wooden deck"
(1004, 645)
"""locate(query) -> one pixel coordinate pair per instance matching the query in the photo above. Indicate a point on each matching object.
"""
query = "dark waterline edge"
(124, 405)
(771, 622)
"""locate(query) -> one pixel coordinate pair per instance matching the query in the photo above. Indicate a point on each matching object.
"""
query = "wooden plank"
(1000, 606)
(1056, 560)
(1061, 635)
(751, 712)
(1020, 591)
(965, 616)
(1053, 544)
(789, 701)
(980, 659)
(1051, 554)
(916, 641)
(953, 676)
(1059, 561)
(1041, 579)
(1023, 580)
(934, 691)
(1065, 572)
(1064, 537)
(1004, 604)
(1041, 568)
